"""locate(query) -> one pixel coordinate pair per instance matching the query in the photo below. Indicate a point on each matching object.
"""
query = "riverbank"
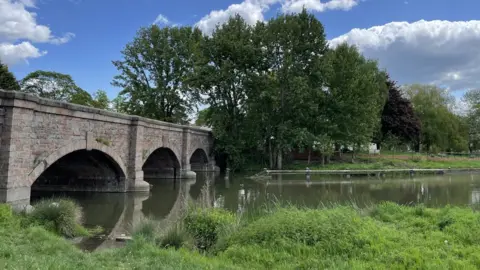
(385, 236)
(386, 162)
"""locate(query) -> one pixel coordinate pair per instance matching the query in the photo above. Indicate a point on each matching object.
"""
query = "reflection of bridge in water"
(167, 206)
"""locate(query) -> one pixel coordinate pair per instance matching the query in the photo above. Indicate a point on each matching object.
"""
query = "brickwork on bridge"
(36, 132)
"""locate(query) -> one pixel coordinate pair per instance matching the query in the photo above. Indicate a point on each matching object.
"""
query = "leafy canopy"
(152, 74)
(7, 79)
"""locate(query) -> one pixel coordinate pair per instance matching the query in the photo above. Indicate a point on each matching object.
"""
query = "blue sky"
(101, 28)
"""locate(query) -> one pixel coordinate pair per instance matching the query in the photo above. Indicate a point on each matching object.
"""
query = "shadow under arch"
(82, 170)
(198, 160)
(162, 163)
(111, 158)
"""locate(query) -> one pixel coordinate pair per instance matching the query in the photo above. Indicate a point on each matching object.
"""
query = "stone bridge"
(47, 144)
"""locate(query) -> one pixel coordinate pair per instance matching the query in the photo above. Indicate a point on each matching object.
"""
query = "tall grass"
(29, 246)
(280, 236)
(61, 216)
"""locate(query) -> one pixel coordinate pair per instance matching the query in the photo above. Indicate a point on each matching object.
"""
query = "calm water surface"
(118, 213)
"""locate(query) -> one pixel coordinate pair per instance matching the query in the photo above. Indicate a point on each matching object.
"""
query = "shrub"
(60, 216)
(205, 225)
(176, 237)
(146, 228)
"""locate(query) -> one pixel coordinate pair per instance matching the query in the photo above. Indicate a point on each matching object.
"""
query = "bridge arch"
(107, 154)
(198, 159)
(161, 163)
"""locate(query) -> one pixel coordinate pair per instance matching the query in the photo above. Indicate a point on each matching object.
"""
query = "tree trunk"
(270, 154)
(338, 152)
(323, 157)
(279, 159)
(309, 155)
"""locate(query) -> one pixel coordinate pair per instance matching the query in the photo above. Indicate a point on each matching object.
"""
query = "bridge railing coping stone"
(15, 95)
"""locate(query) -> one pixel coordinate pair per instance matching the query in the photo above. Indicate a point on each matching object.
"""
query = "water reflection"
(118, 213)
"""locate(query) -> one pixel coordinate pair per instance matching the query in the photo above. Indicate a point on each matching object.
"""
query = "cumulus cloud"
(14, 53)
(254, 10)
(62, 40)
(18, 23)
(317, 5)
(161, 19)
(444, 53)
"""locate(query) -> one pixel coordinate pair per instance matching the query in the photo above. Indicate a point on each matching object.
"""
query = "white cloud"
(18, 24)
(13, 53)
(253, 10)
(161, 19)
(62, 40)
(440, 52)
(317, 5)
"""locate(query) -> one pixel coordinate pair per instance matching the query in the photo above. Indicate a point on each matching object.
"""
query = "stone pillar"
(186, 171)
(135, 162)
(15, 153)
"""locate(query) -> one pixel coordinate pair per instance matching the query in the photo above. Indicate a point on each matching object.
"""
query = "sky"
(416, 41)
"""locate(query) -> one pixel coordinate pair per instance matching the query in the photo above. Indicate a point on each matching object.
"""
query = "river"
(117, 213)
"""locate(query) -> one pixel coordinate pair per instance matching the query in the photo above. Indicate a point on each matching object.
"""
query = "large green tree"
(153, 71)
(54, 85)
(442, 130)
(472, 100)
(285, 92)
(7, 79)
(355, 95)
(223, 68)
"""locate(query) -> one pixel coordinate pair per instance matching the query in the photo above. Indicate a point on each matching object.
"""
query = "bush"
(60, 216)
(146, 228)
(205, 225)
(176, 237)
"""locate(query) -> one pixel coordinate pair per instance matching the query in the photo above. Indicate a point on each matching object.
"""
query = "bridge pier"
(187, 173)
(138, 183)
(17, 197)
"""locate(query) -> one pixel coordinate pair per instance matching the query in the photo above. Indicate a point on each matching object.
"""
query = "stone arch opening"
(82, 170)
(199, 160)
(161, 164)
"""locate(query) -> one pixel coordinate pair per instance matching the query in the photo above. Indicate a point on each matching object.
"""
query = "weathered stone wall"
(35, 132)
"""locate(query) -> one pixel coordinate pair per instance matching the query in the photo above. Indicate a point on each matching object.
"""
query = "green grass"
(33, 247)
(391, 162)
(62, 216)
(384, 236)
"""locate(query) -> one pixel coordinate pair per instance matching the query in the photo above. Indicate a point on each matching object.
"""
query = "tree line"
(269, 89)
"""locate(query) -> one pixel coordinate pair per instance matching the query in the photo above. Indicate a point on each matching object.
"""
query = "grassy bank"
(26, 245)
(385, 236)
(399, 161)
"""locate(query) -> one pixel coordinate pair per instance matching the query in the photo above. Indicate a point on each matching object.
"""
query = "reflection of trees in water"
(433, 191)
(240, 194)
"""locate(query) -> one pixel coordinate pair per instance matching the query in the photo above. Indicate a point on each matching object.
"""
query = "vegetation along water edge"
(382, 236)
